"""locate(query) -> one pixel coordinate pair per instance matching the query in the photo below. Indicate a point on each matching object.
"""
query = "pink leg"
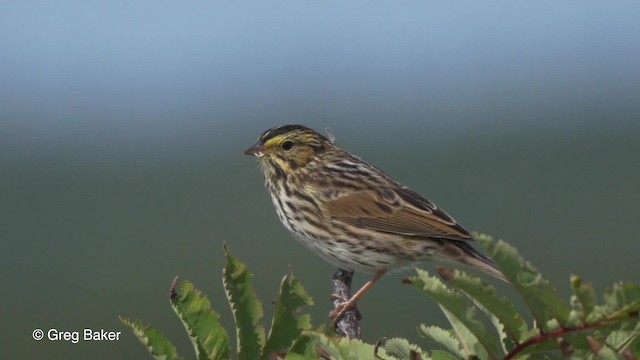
(351, 303)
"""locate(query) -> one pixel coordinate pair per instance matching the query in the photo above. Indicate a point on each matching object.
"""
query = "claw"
(342, 308)
(340, 298)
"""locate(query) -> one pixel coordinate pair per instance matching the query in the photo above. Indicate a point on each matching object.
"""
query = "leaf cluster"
(580, 329)
(210, 340)
(484, 324)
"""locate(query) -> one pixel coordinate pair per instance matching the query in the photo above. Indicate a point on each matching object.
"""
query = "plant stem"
(348, 324)
(556, 333)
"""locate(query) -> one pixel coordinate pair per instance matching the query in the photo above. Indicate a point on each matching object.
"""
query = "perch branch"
(348, 324)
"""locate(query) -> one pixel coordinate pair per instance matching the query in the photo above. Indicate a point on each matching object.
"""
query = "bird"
(354, 215)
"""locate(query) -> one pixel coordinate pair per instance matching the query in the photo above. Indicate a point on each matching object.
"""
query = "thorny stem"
(557, 333)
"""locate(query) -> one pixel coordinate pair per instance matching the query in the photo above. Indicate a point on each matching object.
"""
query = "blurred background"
(122, 127)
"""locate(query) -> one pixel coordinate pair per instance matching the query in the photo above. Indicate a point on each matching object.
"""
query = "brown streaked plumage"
(352, 214)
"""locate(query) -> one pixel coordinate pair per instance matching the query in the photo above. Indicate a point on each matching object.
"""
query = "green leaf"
(622, 300)
(210, 340)
(442, 337)
(536, 350)
(245, 306)
(455, 304)
(287, 326)
(485, 295)
(303, 348)
(585, 295)
(158, 345)
(442, 355)
(608, 354)
(468, 341)
(541, 298)
(403, 349)
(624, 340)
(602, 351)
(313, 345)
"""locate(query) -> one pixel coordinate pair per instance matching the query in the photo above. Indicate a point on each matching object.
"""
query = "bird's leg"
(341, 302)
(337, 313)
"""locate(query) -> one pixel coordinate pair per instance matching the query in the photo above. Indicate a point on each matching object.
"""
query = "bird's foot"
(344, 306)
(340, 298)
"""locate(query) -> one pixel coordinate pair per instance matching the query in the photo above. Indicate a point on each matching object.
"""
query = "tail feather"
(463, 252)
(485, 265)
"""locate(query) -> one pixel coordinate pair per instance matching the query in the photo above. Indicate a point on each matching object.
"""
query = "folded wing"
(395, 211)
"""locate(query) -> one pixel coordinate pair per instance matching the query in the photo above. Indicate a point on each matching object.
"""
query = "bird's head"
(288, 149)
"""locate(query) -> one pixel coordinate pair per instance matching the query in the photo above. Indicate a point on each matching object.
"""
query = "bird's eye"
(287, 145)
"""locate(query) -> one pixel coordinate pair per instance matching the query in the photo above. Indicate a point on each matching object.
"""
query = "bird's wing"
(396, 211)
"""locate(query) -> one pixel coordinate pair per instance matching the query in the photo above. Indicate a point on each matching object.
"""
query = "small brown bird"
(352, 214)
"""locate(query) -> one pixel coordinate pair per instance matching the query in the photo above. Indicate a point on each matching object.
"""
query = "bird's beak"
(257, 150)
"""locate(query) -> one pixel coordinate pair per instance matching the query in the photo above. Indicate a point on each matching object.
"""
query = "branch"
(560, 333)
(347, 325)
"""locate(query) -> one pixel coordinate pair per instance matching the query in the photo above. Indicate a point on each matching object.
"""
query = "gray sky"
(142, 72)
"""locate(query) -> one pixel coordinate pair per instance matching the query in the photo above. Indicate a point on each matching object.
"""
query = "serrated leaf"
(575, 315)
(348, 349)
(303, 348)
(608, 354)
(623, 340)
(158, 345)
(486, 296)
(442, 355)
(602, 351)
(442, 337)
(313, 345)
(468, 341)
(456, 304)
(632, 345)
(585, 295)
(287, 325)
(210, 340)
(541, 298)
(622, 300)
(539, 350)
(245, 306)
(403, 349)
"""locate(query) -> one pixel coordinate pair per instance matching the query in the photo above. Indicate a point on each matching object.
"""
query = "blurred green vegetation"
(78, 230)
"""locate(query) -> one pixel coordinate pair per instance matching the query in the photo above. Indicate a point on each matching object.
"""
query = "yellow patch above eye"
(274, 142)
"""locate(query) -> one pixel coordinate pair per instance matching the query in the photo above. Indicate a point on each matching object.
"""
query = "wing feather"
(396, 211)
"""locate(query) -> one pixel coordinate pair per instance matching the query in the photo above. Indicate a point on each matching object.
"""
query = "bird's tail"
(463, 252)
